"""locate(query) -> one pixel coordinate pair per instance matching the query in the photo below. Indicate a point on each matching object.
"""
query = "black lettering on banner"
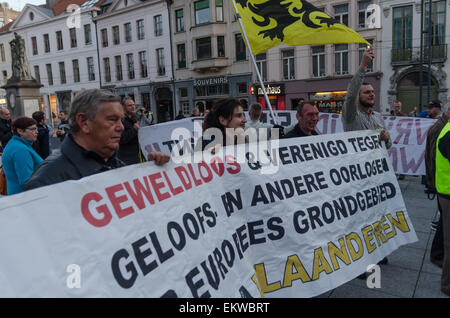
(230, 201)
(124, 282)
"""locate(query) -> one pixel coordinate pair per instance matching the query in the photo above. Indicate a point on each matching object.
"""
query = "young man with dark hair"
(42, 144)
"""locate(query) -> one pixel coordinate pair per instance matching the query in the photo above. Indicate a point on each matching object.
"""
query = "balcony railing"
(412, 55)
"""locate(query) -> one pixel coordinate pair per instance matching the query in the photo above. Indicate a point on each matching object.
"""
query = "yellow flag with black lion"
(269, 23)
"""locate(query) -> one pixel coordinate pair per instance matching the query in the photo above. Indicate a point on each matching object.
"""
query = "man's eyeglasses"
(32, 129)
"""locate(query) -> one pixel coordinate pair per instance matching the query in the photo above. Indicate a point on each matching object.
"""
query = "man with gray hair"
(95, 121)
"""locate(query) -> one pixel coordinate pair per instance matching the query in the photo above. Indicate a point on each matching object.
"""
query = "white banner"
(218, 228)
(408, 136)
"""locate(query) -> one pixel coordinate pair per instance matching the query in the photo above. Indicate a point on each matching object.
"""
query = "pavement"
(409, 274)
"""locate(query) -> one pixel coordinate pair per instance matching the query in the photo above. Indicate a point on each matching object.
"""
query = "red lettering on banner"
(406, 131)
(231, 160)
(117, 200)
(174, 191)
(421, 137)
(146, 190)
(218, 166)
(412, 164)
(157, 186)
(187, 184)
(140, 190)
(196, 181)
(102, 209)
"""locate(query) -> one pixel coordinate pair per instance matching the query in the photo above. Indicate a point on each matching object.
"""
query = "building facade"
(135, 53)
(209, 55)
(61, 50)
(321, 73)
(7, 15)
(6, 36)
(401, 66)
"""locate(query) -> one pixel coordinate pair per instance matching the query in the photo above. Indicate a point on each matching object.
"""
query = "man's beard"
(367, 105)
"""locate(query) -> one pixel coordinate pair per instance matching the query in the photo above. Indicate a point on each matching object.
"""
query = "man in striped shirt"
(357, 113)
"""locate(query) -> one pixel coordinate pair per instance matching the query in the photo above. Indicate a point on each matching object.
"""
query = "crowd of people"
(101, 133)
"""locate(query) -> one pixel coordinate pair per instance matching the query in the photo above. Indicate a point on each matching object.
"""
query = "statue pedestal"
(23, 97)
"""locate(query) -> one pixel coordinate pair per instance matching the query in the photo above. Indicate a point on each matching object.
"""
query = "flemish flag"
(269, 23)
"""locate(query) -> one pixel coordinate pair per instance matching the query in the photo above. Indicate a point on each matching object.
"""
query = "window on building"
(49, 74)
(242, 89)
(179, 15)
(241, 54)
(181, 54)
(62, 72)
(219, 10)
(5, 77)
(127, 30)
(341, 13)
(37, 73)
(362, 14)
(140, 29)
(59, 41)
(46, 43)
(34, 45)
(116, 35)
(2, 52)
(118, 60)
(76, 71)
(318, 61)
(87, 34)
(202, 13)
(203, 48)
(143, 64)
(73, 37)
(361, 49)
(437, 26)
(107, 67)
(402, 33)
(288, 64)
(161, 63)
(261, 63)
(221, 46)
(130, 64)
(91, 69)
(341, 59)
(104, 33)
(158, 25)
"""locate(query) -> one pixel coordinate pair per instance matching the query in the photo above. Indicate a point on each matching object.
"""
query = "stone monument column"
(22, 90)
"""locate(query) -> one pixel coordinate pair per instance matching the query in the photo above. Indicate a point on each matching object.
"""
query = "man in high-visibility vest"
(443, 189)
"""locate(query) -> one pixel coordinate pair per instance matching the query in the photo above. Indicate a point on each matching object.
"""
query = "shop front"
(275, 93)
(328, 102)
(201, 93)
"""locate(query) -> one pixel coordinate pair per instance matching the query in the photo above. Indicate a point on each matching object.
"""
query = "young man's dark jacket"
(73, 163)
(129, 143)
(5, 131)
(42, 143)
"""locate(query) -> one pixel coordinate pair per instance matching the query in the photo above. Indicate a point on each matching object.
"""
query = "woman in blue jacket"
(19, 159)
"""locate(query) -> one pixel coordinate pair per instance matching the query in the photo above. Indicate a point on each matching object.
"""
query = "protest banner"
(408, 135)
(217, 228)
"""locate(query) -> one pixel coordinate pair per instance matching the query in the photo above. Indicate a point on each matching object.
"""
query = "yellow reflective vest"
(442, 166)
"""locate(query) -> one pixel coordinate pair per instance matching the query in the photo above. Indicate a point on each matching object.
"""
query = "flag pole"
(258, 74)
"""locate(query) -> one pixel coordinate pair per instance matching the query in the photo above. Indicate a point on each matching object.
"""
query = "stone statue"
(20, 67)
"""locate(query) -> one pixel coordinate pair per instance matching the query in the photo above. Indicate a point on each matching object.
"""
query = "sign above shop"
(277, 89)
(211, 81)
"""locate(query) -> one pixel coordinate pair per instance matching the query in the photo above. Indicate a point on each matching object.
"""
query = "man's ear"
(83, 122)
(297, 116)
